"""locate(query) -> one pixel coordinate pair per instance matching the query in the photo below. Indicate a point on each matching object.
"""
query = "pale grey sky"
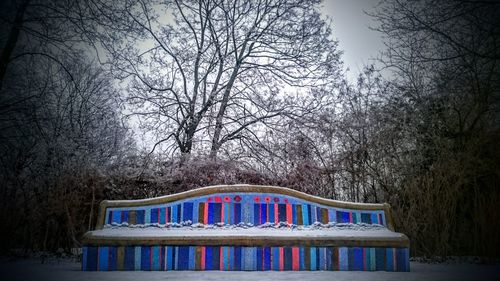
(350, 27)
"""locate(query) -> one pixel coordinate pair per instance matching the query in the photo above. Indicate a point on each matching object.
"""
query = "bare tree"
(221, 67)
(56, 133)
(38, 28)
(445, 57)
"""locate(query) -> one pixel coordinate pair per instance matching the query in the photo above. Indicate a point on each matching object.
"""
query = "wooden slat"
(402, 241)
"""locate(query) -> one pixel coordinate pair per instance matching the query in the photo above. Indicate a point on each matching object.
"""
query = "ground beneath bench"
(34, 270)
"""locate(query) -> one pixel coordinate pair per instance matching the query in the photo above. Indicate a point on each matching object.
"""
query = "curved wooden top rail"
(242, 188)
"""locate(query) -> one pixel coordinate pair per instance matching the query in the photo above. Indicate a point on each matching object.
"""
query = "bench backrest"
(234, 204)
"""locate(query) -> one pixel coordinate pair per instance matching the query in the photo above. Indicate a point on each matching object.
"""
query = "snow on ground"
(62, 270)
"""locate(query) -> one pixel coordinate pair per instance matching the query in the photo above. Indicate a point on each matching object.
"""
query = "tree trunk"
(12, 40)
(216, 144)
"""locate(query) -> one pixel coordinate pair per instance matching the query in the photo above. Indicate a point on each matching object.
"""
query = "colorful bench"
(244, 227)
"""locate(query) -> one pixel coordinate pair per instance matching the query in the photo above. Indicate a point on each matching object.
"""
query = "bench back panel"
(232, 208)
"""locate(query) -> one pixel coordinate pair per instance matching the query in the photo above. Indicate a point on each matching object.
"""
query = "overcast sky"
(350, 27)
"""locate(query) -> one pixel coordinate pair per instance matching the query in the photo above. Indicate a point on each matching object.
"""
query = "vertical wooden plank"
(237, 213)
(300, 219)
(335, 259)
(103, 258)
(313, 258)
(289, 218)
(132, 217)
(276, 213)
(197, 264)
(343, 259)
(372, 259)
(120, 258)
(307, 258)
(237, 258)
(324, 215)
(295, 258)
(267, 258)
(163, 213)
(281, 258)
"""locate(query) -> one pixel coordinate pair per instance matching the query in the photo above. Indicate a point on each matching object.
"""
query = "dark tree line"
(249, 92)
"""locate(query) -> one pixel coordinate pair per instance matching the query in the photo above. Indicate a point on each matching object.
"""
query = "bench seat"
(253, 236)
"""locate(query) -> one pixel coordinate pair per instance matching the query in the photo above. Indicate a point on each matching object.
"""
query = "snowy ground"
(29, 269)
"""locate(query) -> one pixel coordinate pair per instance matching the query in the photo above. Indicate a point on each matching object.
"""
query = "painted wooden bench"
(244, 227)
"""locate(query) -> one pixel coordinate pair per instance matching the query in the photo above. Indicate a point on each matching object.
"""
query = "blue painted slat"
(147, 216)
(343, 259)
(329, 258)
(366, 218)
(237, 258)
(287, 256)
(256, 214)
(145, 258)
(322, 258)
(175, 210)
(263, 213)
(309, 214)
(267, 258)
(389, 259)
(227, 217)
(169, 215)
(211, 219)
(187, 211)
(302, 265)
(313, 258)
(294, 213)
(92, 253)
(109, 217)
(358, 258)
(305, 216)
(170, 257)
(84, 258)
(208, 258)
(248, 258)
(380, 259)
(196, 206)
(162, 215)
(225, 258)
(183, 260)
(139, 216)
(281, 212)
(103, 258)
(373, 263)
(331, 215)
(271, 213)
(217, 212)
(216, 258)
(275, 258)
(192, 258)
(175, 258)
(113, 252)
(342, 217)
(129, 258)
(237, 213)
(124, 216)
(179, 213)
(260, 254)
(156, 258)
(154, 215)
(117, 216)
